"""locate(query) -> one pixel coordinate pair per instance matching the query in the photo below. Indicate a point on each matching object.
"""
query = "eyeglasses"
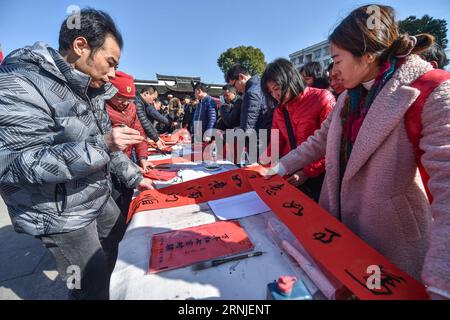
(124, 100)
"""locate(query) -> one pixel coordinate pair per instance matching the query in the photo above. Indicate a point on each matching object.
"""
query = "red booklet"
(180, 248)
(159, 175)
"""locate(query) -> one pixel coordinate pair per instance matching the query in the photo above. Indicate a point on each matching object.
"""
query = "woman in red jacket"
(299, 113)
(122, 112)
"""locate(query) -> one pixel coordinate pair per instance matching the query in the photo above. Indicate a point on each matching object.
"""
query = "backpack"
(426, 84)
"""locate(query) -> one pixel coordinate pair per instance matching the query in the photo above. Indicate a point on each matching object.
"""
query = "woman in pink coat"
(372, 182)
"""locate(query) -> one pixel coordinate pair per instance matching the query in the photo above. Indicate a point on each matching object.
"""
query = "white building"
(319, 52)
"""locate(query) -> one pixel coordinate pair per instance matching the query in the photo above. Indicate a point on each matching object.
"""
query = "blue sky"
(186, 37)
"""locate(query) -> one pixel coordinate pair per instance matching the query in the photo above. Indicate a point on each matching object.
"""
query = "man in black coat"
(230, 112)
(145, 102)
(256, 114)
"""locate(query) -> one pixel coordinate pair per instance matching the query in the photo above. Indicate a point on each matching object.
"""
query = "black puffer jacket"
(147, 114)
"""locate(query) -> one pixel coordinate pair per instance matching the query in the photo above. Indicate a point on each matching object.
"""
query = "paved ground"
(27, 269)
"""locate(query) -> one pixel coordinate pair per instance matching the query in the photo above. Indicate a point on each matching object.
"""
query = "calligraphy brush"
(214, 263)
(162, 166)
(164, 152)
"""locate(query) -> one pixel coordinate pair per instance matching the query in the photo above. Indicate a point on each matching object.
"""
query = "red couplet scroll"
(159, 175)
(328, 241)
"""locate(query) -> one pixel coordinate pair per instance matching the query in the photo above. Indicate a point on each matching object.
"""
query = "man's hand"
(120, 138)
(160, 144)
(298, 178)
(255, 164)
(146, 165)
(267, 173)
(146, 184)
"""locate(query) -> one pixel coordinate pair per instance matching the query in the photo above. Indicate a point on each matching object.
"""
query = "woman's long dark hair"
(315, 70)
(286, 76)
(356, 35)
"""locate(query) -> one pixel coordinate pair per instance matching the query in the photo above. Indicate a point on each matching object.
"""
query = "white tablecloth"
(245, 279)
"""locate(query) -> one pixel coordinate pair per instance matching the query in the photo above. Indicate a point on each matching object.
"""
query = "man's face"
(101, 65)
(120, 103)
(154, 96)
(239, 83)
(229, 96)
(198, 93)
(150, 97)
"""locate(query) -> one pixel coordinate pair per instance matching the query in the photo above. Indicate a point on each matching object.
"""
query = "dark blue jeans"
(93, 249)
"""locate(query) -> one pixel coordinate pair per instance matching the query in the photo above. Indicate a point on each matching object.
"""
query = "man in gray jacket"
(57, 149)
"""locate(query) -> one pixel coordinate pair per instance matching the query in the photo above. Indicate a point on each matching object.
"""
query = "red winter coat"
(129, 118)
(307, 112)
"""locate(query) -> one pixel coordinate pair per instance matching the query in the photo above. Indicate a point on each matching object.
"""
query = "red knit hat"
(125, 84)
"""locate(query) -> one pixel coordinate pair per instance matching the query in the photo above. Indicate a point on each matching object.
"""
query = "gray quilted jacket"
(54, 163)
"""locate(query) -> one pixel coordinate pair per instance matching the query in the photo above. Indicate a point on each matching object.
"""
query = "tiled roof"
(175, 78)
(180, 88)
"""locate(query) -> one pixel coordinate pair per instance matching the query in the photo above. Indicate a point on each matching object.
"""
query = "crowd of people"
(74, 130)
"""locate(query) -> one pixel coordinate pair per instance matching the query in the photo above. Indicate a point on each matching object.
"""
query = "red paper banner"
(159, 175)
(169, 161)
(205, 189)
(327, 240)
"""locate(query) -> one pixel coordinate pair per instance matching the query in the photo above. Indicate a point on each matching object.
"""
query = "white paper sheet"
(200, 171)
(240, 206)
